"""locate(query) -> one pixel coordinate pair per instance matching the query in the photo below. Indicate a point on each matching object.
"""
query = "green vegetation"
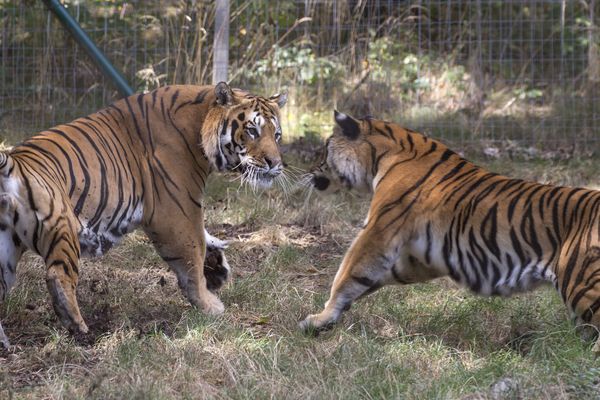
(465, 71)
(433, 340)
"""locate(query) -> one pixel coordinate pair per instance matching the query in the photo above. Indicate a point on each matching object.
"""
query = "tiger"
(142, 162)
(432, 214)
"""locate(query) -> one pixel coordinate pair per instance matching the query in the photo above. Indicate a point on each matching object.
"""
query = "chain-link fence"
(514, 72)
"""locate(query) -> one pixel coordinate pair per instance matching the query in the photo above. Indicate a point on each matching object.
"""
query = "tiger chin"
(76, 189)
(434, 214)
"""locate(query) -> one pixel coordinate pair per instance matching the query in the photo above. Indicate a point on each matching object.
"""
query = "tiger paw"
(596, 348)
(6, 203)
(216, 268)
(314, 324)
(4, 339)
(212, 305)
(78, 328)
(5, 343)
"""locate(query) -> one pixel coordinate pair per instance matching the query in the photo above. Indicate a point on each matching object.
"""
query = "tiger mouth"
(256, 177)
(259, 171)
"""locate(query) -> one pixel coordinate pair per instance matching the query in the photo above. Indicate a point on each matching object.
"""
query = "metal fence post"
(89, 46)
(221, 43)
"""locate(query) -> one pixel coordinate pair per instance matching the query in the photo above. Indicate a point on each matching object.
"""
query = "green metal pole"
(90, 47)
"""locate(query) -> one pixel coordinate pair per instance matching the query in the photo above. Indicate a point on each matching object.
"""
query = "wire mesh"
(517, 73)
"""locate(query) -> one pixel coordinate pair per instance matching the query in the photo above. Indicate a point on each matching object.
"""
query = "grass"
(433, 340)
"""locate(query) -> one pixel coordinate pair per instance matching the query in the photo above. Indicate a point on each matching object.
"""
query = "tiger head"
(242, 132)
(346, 160)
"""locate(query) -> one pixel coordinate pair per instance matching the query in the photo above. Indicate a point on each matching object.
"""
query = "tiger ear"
(224, 94)
(350, 126)
(280, 98)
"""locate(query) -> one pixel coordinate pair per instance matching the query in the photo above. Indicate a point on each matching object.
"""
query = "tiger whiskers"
(304, 183)
(257, 177)
(249, 175)
(305, 206)
(236, 177)
(305, 180)
(291, 175)
(295, 169)
(295, 173)
(285, 180)
(250, 178)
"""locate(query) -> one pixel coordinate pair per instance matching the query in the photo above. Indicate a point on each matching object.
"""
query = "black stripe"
(33, 207)
(174, 98)
(447, 252)
(140, 101)
(489, 230)
(587, 315)
(224, 128)
(363, 280)
(154, 93)
(170, 259)
(134, 119)
(197, 203)
(428, 248)
(410, 141)
(431, 150)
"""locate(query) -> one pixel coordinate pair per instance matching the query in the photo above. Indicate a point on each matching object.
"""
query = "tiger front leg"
(62, 275)
(364, 269)
(193, 283)
(185, 255)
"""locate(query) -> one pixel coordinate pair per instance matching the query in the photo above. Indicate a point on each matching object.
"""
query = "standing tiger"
(76, 189)
(434, 214)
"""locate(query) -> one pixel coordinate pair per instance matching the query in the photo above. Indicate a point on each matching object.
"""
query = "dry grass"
(432, 340)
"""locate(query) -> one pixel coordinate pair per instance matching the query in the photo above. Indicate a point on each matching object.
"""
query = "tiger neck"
(168, 120)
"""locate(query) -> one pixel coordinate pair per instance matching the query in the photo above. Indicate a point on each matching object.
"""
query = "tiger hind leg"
(10, 253)
(216, 267)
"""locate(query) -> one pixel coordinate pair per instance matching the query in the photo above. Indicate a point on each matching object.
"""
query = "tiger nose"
(320, 182)
(272, 162)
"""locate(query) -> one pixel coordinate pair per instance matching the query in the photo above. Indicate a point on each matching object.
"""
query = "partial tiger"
(434, 214)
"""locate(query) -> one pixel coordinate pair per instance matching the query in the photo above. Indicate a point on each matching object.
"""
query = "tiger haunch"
(76, 189)
(433, 214)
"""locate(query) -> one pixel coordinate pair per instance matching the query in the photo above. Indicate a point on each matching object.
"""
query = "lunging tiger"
(434, 214)
(76, 189)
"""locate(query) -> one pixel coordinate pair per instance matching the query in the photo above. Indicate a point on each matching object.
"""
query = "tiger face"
(346, 161)
(249, 133)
